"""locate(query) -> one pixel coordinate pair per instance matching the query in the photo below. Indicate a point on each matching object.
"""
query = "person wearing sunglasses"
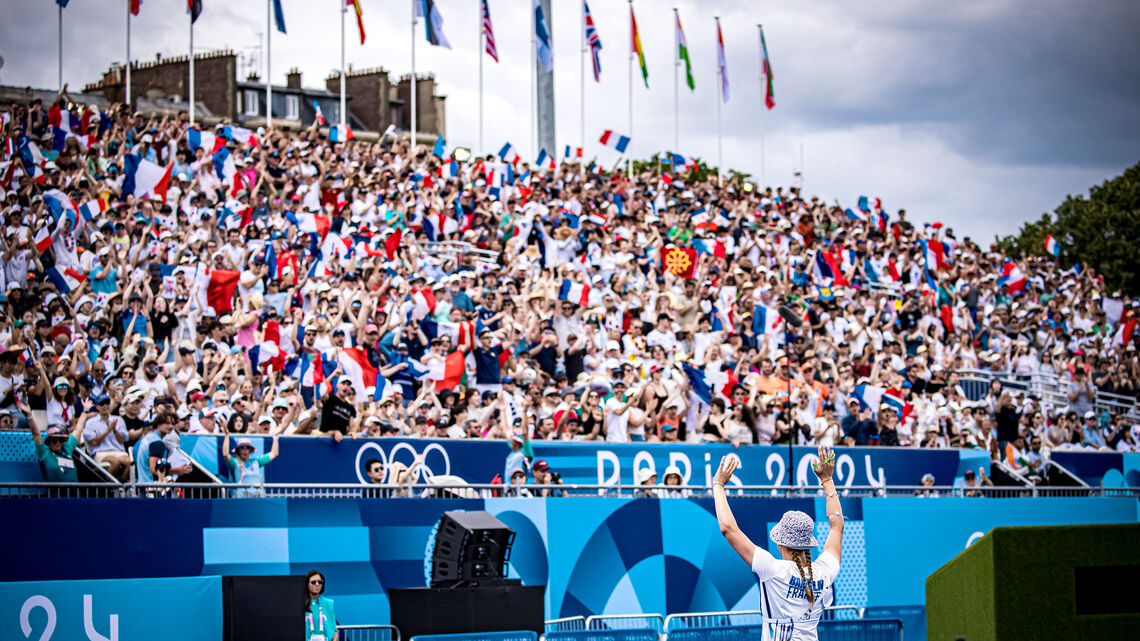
(55, 448)
(320, 619)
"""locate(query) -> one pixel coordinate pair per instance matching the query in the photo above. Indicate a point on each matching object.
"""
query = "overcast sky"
(979, 114)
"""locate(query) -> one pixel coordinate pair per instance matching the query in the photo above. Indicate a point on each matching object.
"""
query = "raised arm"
(824, 469)
(736, 538)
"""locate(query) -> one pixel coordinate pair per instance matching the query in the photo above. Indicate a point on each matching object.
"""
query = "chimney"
(253, 77)
(293, 79)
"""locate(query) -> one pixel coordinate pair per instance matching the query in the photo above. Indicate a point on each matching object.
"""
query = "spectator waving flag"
(489, 34)
(1012, 277)
(769, 92)
(198, 139)
(65, 279)
(340, 133)
(1052, 246)
(574, 292)
(144, 178)
(433, 23)
(683, 54)
(593, 42)
(355, 4)
(542, 39)
(320, 114)
(91, 209)
(508, 154)
(721, 62)
(545, 160)
(43, 239)
(354, 363)
(572, 152)
(764, 319)
(610, 139)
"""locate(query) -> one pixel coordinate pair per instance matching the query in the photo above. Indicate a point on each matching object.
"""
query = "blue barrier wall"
(597, 555)
(179, 609)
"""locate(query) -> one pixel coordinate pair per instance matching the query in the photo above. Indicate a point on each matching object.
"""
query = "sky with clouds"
(979, 114)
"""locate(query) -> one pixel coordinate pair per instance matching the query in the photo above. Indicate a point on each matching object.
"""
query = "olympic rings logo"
(424, 472)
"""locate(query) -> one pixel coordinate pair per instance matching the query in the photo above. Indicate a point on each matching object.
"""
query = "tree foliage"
(1101, 232)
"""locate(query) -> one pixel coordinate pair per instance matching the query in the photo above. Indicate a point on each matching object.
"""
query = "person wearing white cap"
(793, 589)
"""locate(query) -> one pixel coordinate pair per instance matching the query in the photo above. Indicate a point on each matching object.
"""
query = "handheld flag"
(440, 147)
(682, 262)
(574, 292)
(545, 160)
(593, 42)
(433, 23)
(340, 133)
(355, 4)
(769, 93)
(1052, 246)
(508, 154)
(320, 114)
(572, 152)
(489, 34)
(542, 39)
(144, 178)
(683, 54)
(722, 63)
(610, 139)
(636, 44)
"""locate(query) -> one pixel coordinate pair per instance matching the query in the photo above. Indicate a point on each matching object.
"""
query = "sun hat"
(794, 531)
(243, 442)
(673, 469)
(644, 475)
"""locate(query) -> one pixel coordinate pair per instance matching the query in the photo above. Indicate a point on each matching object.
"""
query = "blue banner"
(322, 460)
(1101, 469)
(176, 609)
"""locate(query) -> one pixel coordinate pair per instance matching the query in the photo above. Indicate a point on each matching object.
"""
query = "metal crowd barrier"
(860, 630)
(1045, 387)
(654, 622)
(368, 633)
(354, 491)
(516, 635)
(566, 624)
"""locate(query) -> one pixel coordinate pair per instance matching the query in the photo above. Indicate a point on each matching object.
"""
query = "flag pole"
(413, 5)
(763, 163)
(676, 81)
(582, 84)
(533, 89)
(479, 52)
(343, 96)
(720, 91)
(628, 159)
(191, 67)
(60, 7)
(128, 3)
(268, 63)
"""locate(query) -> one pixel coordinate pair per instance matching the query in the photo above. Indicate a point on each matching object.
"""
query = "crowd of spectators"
(119, 327)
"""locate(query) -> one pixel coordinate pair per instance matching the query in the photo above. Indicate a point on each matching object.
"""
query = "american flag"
(489, 33)
(593, 41)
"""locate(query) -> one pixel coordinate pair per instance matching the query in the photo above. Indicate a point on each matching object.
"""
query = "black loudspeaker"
(263, 607)
(499, 608)
(471, 548)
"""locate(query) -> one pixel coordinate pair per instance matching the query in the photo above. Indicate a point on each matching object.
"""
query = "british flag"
(489, 33)
(593, 41)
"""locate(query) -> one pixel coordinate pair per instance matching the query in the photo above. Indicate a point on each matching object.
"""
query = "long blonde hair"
(802, 559)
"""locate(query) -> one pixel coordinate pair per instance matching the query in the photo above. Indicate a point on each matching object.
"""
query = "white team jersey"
(783, 600)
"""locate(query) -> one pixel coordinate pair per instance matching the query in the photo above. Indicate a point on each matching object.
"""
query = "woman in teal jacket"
(320, 619)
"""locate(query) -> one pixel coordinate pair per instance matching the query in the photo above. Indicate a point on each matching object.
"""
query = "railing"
(1045, 387)
(566, 624)
(455, 249)
(353, 491)
(653, 622)
(368, 633)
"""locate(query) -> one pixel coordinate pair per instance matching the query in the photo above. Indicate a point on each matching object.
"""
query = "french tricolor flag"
(856, 214)
(572, 152)
(144, 178)
(312, 370)
(310, 223)
(423, 303)
(935, 253)
(354, 363)
(239, 135)
(1052, 246)
(764, 319)
(436, 226)
(224, 167)
(574, 292)
(91, 209)
(65, 280)
(198, 139)
(1012, 277)
(340, 133)
(509, 155)
(597, 218)
(382, 389)
(710, 246)
(826, 268)
(617, 141)
(320, 114)
(545, 160)
(61, 206)
(43, 239)
(449, 169)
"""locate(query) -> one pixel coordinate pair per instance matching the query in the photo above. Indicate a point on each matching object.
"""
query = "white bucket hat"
(794, 531)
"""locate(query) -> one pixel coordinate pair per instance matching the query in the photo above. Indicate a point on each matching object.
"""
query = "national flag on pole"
(683, 54)
(144, 178)
(617, 141)
(542, 39)
(769, 93)
(195, 9)
(43, 239)
(340, 133)
(508, 154)
(572, 152)
(635, 41)
(489, 34)
(320, 114)
(574, 292)
(1052, 246)
(593, 42)
(135, 6)
(355, 4)
(433, 23)
(198, 139)
(722, 63)
(66, 279)
(279, 16)
(682, 262)
(545, 160)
